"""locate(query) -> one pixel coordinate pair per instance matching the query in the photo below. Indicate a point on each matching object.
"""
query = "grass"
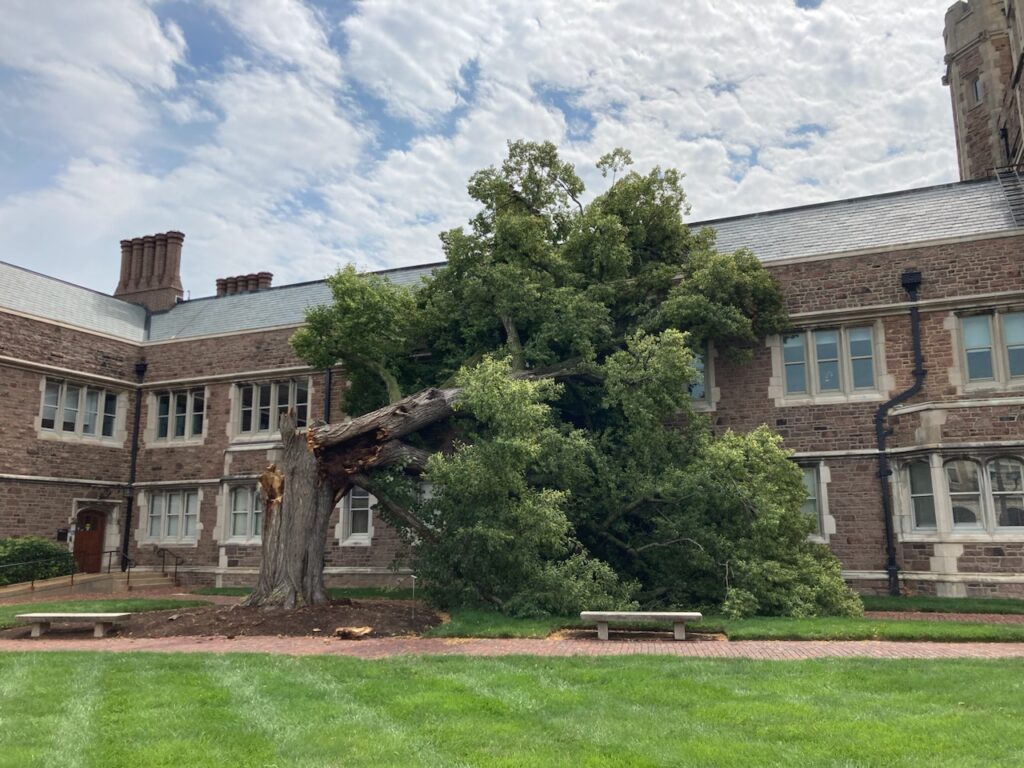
(115, 605)
(380, 593)
(150, 710)
(943, 604)
(468, 622)
(483, 623)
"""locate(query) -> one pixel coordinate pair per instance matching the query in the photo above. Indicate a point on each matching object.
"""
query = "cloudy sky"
(299, 135)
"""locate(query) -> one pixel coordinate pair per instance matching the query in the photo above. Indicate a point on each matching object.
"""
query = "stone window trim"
(707, 399)
(247, 409)
(945, 530)
(847, 393)
(244, 514)
(75, 411)
(975, 89)
(817, 472)
(163, 417)
(1002, 342)
(355, 518)
(170, 517)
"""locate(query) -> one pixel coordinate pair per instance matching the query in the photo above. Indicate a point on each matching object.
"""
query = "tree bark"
(298, 499)
(408, 415)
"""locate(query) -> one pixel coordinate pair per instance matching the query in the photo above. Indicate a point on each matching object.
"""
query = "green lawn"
(139, 710)
(112, 605)
(482, 623)
(943, 604)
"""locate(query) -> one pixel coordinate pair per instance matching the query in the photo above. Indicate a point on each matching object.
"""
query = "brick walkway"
(377, 648)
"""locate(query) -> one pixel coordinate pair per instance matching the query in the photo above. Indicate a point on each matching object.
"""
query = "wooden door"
(89, 530)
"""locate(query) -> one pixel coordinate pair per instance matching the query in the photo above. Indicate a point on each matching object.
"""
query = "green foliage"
(18, 556)
(498, 538)
(549, 498)
(366, 328)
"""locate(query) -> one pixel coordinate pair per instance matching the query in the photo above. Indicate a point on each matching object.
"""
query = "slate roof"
(961, 209)
(23, 290)
(285, 305)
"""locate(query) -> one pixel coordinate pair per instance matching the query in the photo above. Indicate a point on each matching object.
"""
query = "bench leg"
(679, 630)
(100, 628)
(602, 630)
(39, 628)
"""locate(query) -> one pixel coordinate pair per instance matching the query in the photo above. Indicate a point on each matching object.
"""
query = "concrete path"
(377, 648)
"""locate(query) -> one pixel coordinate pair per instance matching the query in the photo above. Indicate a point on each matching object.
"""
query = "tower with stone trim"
(983, 72)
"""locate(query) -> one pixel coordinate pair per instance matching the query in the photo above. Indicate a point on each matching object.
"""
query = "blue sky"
(299, 136)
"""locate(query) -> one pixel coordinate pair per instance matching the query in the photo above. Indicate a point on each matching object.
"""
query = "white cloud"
(270, 162)
(86, 68)
(289, 31)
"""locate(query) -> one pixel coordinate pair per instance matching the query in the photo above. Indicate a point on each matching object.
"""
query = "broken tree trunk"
(408, 415)
(298, 503)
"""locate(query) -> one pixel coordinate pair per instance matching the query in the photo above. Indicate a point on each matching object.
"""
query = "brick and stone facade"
(79, 370)
(50, 473)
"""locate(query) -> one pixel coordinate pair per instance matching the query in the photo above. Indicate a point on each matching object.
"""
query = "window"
(173, 516)
(357, 517)
(829, 361)
(261, 403)
(812, 506)
(77, 409)
(922, 499)
(698, 387)
(964, 486)
(180, 414)
(977, 92)
(982, 496)
(1006, 481)
(994, 348)
(246, 513)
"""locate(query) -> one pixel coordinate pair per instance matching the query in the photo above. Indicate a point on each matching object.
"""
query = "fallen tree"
(549, 497)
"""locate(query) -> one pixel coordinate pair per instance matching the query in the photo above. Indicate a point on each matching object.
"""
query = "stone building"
(143, 420)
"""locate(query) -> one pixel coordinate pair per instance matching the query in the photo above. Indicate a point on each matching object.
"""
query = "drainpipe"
(140, 374)
(911, 281)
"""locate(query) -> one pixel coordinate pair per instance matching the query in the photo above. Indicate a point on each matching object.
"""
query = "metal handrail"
(125, 559)
(68, 558)
(178, 560)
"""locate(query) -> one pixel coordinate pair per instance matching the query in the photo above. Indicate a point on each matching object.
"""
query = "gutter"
(129, 499)
(911, 282)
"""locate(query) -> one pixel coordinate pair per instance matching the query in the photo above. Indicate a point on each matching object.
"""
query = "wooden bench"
(603, 618)
(101, 622)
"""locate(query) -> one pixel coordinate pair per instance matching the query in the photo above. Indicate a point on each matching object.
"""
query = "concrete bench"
(603, 618)
(101, 622)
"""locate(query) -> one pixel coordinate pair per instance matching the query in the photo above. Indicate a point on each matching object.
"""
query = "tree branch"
(408, 415)
(392, 508)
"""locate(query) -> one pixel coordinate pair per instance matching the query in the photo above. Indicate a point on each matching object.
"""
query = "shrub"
(18, 558)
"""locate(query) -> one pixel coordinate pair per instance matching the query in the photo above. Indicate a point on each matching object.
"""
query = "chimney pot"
(151, 271)
(252, 282)
(266, 278)
(222, 286)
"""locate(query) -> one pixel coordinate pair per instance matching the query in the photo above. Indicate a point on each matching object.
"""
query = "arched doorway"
(90, 526)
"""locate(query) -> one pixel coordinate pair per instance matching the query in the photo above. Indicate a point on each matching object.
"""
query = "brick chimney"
(257, 281)
(151, 271)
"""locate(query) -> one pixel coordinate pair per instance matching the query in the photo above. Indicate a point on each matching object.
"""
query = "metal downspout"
(911, 281)
(129, 501)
